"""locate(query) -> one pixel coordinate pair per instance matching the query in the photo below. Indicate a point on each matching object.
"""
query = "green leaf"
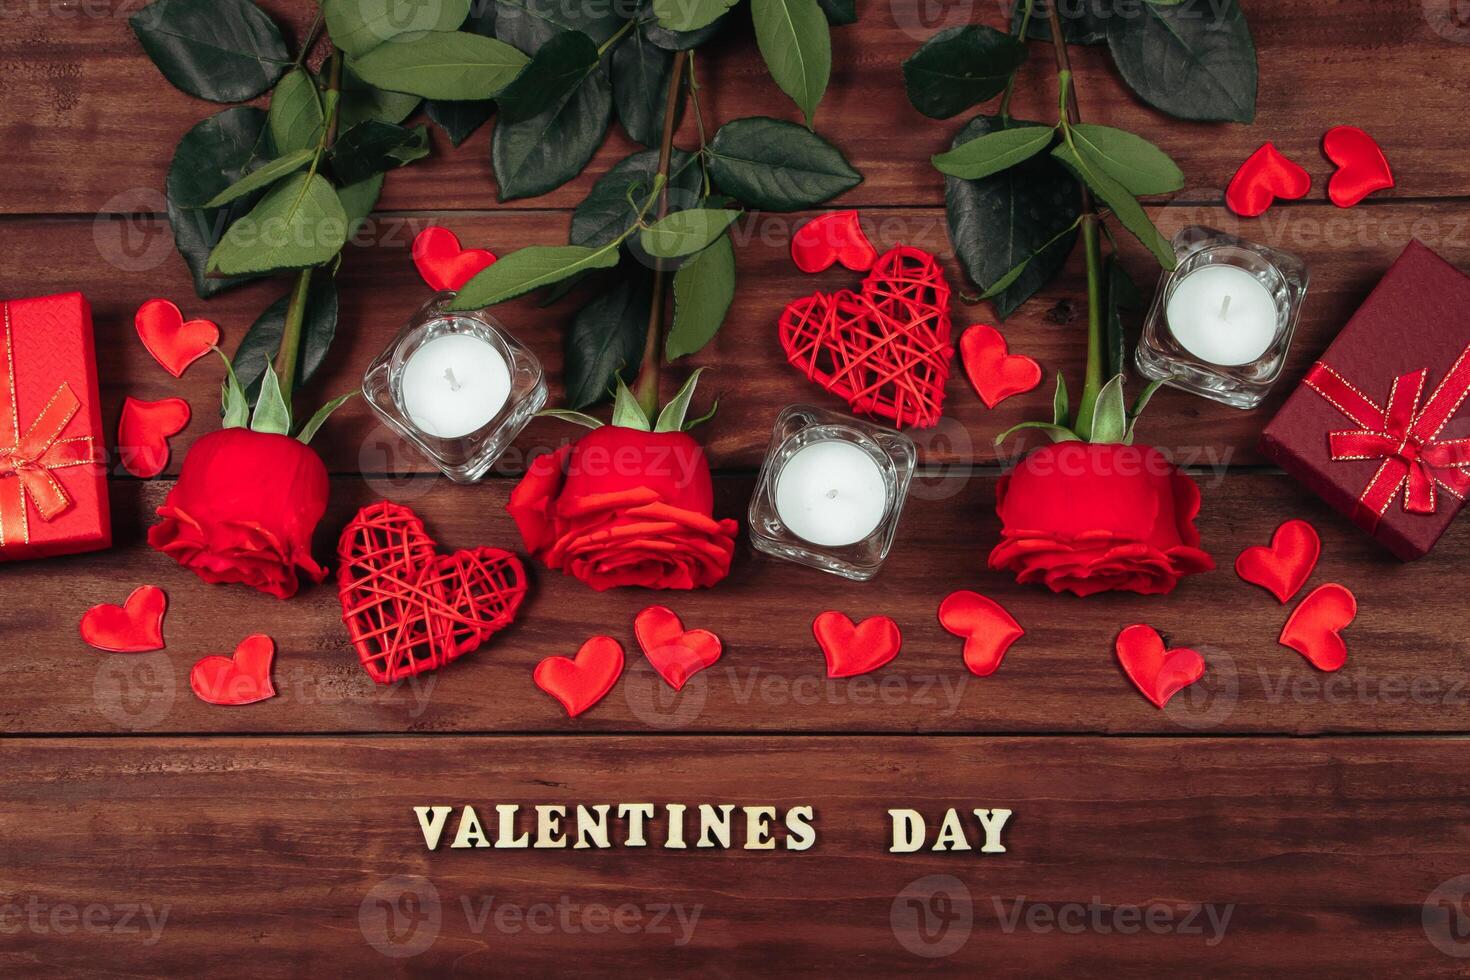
(608, 211)
(960, 67)
(537, 155)
(1132, 161)
(1122, 295)
(358, 26)
(627, 413)
(557, 67)
(234, 406)
(704, 287)
(567, 415)
(1124, 206)
(262, 342)
(671, 419)
(1083, 21)
(839, 12)
(1193, 60)
(994, 152)
(441, 65)
(1144, 397)
(677, 40)
(1059, 409)
(358, 201)
(775, 165)
(360, 102)
(299, 223)
(1109, 418)
(640, 83)
(261, 178)
(459, 120)
(211, 157)
(1024, 217)
(373, 147)
(797, 45)
(531, 268)
(1057, 433)
(685, 232)
(272, 414)
(606, 341)
(220, 50)
(689, 15)
(296, 117)
(528, 24)
(309, 430)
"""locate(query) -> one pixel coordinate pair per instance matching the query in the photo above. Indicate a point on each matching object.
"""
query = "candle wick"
(1225, 308)
(454, 384)
(832, 494)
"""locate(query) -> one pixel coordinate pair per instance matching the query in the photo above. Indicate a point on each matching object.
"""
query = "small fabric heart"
(676, 653)
(244, 678)
(582, 682)
(1361, 166)
(1266, 175)
(134, 627)
(143, 433)
(1283, 568)
(988, 630)
(994, 374)
(833, 237)
(1158, 673)
(1315, 627)
(443, 263)
(851, 650)
(174, 342)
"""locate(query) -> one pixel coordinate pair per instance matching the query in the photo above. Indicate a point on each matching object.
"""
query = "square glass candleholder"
(1222, 322)
(463, 439)
(830, 492)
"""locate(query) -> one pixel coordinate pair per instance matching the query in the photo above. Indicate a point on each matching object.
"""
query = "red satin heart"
(1283, 568)
(173, 342)
(1266, 175)
(244, 678)
(1158, 673)
(833, 237)
(136, 626)
(994, 374)
(1315, 626)
(851, 650)
(987, 628)
(143, 433)
(443, 263)
(579, 684)
(676, 653)
(1361, 166)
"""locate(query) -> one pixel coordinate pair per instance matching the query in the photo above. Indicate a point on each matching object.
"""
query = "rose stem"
(645, 389)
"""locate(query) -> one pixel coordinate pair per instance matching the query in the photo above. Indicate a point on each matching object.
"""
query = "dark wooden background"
(1327, 813)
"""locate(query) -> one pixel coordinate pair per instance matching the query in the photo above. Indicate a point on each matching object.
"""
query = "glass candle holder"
(1221, 323)
(457, 386)
(830, 492)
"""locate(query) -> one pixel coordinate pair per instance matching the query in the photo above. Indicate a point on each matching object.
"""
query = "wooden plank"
(1347, 251)
(75, 76)
(1154, 856)
(1061, 677)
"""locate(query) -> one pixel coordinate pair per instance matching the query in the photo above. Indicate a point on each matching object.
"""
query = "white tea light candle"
(831, 493)
(454, 384)
(1223, 315)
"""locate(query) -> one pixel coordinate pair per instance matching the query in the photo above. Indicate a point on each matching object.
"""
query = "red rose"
(621, 506)
(244, 510)
(1086, 518)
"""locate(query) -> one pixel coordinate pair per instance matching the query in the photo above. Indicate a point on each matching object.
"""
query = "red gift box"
(1379, 426)
(53, 480)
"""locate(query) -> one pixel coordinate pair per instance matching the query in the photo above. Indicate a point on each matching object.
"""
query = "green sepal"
(671, 419)
(1057, 433)
(271, 412)
(1138, 407)
(309, 430)
(627, 413)
(568, 415)
(1059, 407)
(1109, 416)
(235, 406)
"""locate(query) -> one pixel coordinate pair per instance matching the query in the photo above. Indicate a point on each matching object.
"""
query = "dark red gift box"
(53, 481)
(1378, 428)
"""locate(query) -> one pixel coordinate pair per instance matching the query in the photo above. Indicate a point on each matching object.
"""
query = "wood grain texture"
(1061, 677)
(1347, 252)
(279, 852)
(75, 79)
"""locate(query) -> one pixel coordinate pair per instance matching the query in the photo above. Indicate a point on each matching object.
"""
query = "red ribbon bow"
(28, 459)
(1402, 434)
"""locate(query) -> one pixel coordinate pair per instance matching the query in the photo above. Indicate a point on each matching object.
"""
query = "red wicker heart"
(885, 350)
(409, 609)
